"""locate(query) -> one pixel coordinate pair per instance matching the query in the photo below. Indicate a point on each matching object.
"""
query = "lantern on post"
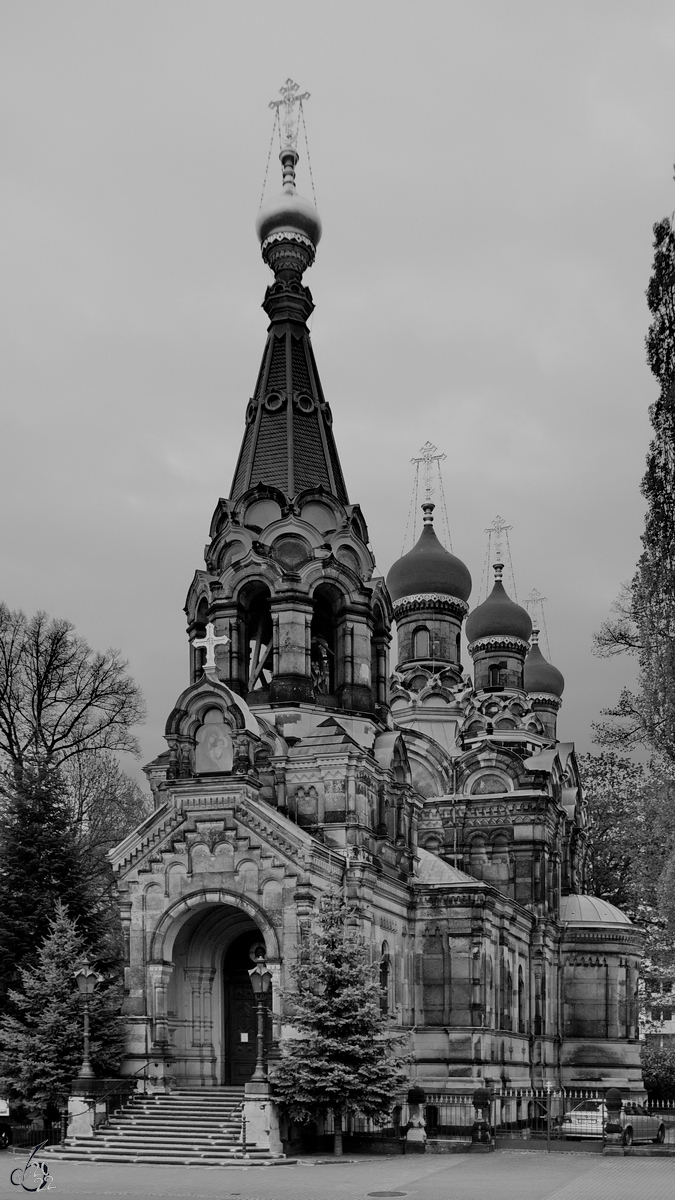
(261, 981)
(86, 979)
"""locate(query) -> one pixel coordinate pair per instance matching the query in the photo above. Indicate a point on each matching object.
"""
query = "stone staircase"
(188, 1127)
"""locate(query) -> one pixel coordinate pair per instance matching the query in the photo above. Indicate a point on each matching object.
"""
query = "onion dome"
(499, 615)
(288, 217)
(429, 569)
(540, 675)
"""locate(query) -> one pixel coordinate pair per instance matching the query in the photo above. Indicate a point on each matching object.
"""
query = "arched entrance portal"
(210, 1011)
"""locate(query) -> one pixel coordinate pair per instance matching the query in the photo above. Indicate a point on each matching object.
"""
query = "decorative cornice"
(499, 642)
(546, 698)
(437, 600)
(288, 236)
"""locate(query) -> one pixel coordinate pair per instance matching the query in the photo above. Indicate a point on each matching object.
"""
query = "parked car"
(588, 1119)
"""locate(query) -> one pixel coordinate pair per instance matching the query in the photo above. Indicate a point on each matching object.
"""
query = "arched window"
(497, 675)
(385, 967)
(421, 643)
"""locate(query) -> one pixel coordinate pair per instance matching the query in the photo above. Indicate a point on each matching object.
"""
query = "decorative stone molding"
(546, 698)
(499, 642)
(288, 236)
(434, 600)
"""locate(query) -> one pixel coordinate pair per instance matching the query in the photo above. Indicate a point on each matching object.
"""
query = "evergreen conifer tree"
(40, 866)
(41, 1041)
(344, 1060)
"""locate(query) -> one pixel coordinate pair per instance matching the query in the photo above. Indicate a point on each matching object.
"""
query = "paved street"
(509, 1175)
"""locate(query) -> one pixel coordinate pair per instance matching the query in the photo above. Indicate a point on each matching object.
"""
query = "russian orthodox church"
(297, 762)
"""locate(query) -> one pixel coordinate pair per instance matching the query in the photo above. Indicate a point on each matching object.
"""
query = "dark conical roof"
(288, 441)
(429, 567)
(498, 616)
(540, 675)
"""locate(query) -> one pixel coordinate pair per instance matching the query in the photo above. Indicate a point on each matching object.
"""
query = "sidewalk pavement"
(507, 1174)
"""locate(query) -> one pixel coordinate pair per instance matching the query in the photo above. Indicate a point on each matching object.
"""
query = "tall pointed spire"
(288, 442)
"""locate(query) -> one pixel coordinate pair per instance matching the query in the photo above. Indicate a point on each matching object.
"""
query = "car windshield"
(588, 1106)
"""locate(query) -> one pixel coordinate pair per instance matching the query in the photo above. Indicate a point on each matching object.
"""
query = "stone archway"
(202, 998)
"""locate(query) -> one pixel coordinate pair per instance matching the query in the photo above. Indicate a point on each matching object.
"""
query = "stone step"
(154, 1146)
(186, 1127)
(169, 1160)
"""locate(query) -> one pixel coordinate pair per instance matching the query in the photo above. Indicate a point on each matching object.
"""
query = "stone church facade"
(443, 805)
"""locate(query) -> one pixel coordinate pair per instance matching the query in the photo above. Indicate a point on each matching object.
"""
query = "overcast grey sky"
(487, 173)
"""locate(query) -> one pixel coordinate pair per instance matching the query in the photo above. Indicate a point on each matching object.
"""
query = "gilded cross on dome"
(210, 642)
(290, 96)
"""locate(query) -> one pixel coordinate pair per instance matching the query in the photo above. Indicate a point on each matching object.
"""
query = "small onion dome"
(429, 568)
(540, 675)
(288, 212)
(499, 615)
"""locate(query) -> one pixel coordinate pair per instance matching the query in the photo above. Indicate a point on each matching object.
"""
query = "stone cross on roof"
(210, 642)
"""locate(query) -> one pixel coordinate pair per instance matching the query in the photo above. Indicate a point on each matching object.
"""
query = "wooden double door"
(240, 1014)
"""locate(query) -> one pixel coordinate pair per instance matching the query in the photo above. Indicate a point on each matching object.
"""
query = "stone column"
(159, 975)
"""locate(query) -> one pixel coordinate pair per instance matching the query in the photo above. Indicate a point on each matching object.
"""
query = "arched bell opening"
(379, 659)
(257, 638)
(197, 631)
(325, 669)
(210, 1004)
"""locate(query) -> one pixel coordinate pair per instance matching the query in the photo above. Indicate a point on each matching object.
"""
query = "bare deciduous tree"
(59, 698)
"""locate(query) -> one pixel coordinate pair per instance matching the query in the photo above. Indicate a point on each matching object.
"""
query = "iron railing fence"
(548, 1114)
(539, 1114)
(34, 1133)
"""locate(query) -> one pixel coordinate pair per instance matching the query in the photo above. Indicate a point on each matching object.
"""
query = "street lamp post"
(261, 980)
(86, 979)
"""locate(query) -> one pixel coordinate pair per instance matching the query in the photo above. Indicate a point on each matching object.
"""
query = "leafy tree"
(40, 867)
(658, 1071)
(41, 1042)
(631, 813)
(643, 620)
(343, 1060)
(58, 697)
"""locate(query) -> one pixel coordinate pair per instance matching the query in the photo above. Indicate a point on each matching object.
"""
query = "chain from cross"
(499, 528)
(210, 642)
(428, 456)
(289, 97)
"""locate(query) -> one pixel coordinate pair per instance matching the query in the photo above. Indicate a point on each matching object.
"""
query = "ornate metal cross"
(428, 456)
(210, 641)
(499, 528)
(290, 97)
